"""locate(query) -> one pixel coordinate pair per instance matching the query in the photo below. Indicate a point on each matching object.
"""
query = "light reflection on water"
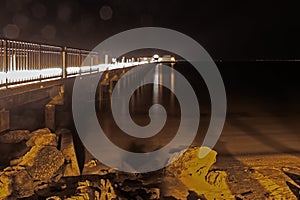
(142, 99)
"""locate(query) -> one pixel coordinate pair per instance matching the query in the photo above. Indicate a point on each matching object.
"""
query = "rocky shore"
(43, 165)
(37, 170)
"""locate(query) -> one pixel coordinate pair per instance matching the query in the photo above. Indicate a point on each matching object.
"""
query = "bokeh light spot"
(106, 12)
(11, 31)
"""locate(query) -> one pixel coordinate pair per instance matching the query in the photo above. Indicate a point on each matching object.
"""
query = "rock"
(43, 163)
(154, 193)
(15, 136)
(49, 139)
(42, 137)
(107, 190)
(23, 184)
(18, 180)
(41, 131)
(83, 196)
(195, 173)
(88, 190)
(53, 198)
(15, 162)
(188, 163)
(5, 186)
(91, 163)
(193, 195)
(216, 178)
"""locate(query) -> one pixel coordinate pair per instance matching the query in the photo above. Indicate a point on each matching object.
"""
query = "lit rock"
(41, 131)
(15, 136)
(53, 198)
(43, 163)
(91, 163)
(5, 186)
(195, 173)
(16, 183)
(44, 140)
(23, 184)
(188, 163)
(107, 190)
(216, 178)
(42, 137)
(101, 190)
(15, 162)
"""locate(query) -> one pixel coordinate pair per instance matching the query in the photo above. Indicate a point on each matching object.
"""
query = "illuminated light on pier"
(24, 62)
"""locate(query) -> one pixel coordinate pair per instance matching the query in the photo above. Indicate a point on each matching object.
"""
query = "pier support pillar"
(112, 83)
(50, 114)
(104, 85)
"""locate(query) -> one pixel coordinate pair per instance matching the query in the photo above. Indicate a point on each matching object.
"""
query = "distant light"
(106, 12)
(173, 59)
(156, 56)
(11, 31)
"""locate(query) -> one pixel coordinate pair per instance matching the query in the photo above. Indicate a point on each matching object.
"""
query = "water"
(262, 96)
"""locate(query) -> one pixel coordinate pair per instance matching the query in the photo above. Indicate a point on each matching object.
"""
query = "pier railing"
(22, 62)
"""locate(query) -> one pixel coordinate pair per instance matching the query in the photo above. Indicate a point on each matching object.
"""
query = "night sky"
(227, 29)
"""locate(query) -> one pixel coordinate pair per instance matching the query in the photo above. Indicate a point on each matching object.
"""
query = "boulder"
(41, 131)
(23, 184)
(16, 182)
(102, 190)
(188, 164)
(5, 186)
(43, 163)
(15, 136)
(194, 172)
(107, 190)
(49, 139)
(42, 137)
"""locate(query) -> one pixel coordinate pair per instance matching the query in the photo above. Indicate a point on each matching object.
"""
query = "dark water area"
(275, 82)
(253, 89)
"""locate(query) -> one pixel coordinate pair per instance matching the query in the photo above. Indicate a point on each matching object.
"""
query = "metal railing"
(22, 62)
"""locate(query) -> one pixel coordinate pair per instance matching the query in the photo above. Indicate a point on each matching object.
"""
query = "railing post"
(91, 62)
(64, 62)
(5, 63)
(40, 62)
(79, 64)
